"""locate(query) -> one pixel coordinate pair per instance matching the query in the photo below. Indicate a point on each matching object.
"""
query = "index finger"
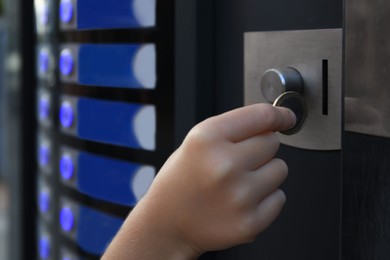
(245, 122)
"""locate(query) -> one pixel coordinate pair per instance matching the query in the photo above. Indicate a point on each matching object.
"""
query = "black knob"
(297, 104)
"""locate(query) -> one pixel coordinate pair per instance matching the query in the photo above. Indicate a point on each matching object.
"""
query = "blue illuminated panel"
(44, 108)
(44, 198)
(67, 167)
(67, 11)
(118, 123)
(106, 178)
(44, 248)
(43, 61)
(109, 65)
(107, 121)
(91, 229)
(44, 201)
(45, 245)
(66, 62)
(44, 154)
(96, 230)
(104, 14)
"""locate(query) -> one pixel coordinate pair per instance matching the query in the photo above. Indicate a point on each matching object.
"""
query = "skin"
(219, 189)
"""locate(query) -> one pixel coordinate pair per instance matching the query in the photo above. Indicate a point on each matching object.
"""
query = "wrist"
(149, 234)
(156, 228)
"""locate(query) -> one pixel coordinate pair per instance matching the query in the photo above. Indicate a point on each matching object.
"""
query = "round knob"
(297, 104)
(277, 81)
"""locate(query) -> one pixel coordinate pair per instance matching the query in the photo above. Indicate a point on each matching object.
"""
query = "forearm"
(143, 237)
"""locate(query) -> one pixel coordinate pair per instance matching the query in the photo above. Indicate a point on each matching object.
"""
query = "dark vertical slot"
(325, 87)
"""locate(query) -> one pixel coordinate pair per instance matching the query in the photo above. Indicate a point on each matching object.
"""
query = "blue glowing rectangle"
(124, 124)
(117, 65)
(111, 14)
(112, 180)
(95, 230)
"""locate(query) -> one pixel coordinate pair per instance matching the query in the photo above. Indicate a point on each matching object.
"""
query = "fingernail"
(293, 118)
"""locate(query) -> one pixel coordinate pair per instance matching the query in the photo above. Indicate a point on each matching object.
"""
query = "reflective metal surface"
(367, 67)
(317, 55)
(277, 81)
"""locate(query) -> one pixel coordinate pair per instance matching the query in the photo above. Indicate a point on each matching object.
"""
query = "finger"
(251, 153)
(266, 179)
(269, 209)
(249, 121)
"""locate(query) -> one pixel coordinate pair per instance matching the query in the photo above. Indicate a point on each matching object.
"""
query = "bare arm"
(219, 189)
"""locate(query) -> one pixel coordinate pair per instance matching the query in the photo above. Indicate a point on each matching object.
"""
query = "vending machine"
(112, 87)
(117, 90)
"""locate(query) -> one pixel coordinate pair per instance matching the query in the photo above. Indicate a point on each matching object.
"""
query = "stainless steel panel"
(305, 51)
(367, 67)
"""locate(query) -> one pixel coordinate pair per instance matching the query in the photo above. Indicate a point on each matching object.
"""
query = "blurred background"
(9, 116)
(96, 94)
(84, 86)
(4, 93)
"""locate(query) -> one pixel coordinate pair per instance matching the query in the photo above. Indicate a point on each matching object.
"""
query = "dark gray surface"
(366, 197)
(10, 137)
(4, 221)
(367, 67)
(366, 167)
(194, 64)
(19, 145)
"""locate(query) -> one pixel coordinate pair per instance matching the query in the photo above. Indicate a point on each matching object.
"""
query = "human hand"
(221, 186)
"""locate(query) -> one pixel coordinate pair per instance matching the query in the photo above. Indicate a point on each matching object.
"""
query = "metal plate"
(367, 67)
(306, 51)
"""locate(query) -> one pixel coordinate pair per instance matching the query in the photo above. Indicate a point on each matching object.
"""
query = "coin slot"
(325, 87)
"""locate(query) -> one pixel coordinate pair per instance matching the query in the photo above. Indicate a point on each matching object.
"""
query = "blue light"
(44, 61)
(66, 62)
(44, 107)
(44, 19)
(66, 167)
(66, 219)
(44, 155)
(44, 201)
(44, 248)
(66, 114)
(66, 11)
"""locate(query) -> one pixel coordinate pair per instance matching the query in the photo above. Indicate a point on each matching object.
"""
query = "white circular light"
(144, 65)
(145, 12)
(141, 181)
(144, 126)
